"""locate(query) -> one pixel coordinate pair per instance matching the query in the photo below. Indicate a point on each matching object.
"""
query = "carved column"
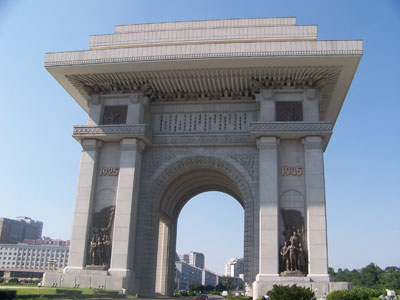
(310, 105)
(136, 108)
(126, 208)
(171, 261)
(95, 109)
(164, 236)
(269, 203)
(316, 212)
(83, 205)
(267, 105)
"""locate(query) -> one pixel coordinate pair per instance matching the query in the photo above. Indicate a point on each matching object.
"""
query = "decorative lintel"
(112, 132)
(290, 129)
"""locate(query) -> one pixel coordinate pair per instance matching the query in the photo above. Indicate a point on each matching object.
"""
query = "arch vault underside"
(169, 190)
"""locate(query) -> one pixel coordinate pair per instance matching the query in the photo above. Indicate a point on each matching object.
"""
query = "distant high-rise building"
(189, 269)
(184, 258)
(16, 231)
(196, 259)
(234, 267)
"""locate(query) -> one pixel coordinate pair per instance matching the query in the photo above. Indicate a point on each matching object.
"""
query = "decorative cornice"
(290, 126)
(200, 56)
(290, 129)
(111, 132)
(206, 84)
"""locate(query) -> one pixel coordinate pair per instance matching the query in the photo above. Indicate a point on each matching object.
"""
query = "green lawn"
(49, 291)
(25, 291)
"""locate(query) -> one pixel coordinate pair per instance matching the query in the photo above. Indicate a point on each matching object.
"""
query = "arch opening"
(180, 189)
(210, 223)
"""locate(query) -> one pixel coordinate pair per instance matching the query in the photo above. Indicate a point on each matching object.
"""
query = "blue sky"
(40, 160)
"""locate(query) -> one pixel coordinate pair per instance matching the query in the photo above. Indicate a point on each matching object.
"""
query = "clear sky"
(40, 160)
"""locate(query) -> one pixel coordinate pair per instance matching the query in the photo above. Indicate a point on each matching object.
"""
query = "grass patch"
(27, 293)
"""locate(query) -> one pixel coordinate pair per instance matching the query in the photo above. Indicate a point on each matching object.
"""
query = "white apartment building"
(196, 259)
(234, 267)
(189, 269)
(28, 258)
(186, 275)
(209, 278)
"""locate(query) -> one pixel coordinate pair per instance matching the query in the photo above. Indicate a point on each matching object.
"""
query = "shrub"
(293, 292)
(13, 280)
(8, 294)
(341, 295)
(359, 293)
(362, 293)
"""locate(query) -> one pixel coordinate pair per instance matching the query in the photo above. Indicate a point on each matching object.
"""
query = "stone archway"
(250, 119)
(170, 191)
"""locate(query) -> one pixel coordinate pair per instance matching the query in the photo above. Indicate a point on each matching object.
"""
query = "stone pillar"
(171, 260)
(162, 258)
(126, 208)
(310, 105)
(136, 108)
(269, 204)
(95, 109)
(316, 212)
(267, 106)
(83, 205)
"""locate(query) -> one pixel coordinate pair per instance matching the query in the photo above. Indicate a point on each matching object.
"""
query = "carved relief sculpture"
(289, 111)
(115, 114)
(293, 255)
(100, 240)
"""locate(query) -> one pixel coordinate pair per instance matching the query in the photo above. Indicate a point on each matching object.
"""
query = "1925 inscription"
(294, 171)
(109, 171)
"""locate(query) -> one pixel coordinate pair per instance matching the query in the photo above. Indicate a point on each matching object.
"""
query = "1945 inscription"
(109, 171)
(294, 171)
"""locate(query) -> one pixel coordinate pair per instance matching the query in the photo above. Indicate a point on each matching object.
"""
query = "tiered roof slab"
(212, 60)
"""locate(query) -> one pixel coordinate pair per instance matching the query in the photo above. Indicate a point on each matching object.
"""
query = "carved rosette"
(155, 161)
(246, 161)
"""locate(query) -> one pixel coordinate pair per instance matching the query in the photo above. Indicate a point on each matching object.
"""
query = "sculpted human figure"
(92, 251)
(284, 258)
(106, 249)
(100, 250)
(292, 257)
(301, 259)
(294, 239)
(300, 235)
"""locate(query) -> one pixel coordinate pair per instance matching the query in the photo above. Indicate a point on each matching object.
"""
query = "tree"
(227, 282)
(196, 287)
(293, 292)
(371, 276)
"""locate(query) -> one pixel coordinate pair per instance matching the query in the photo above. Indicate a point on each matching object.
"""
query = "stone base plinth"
(263, 284)
(96, 267)
(84, 278)
(292, 274)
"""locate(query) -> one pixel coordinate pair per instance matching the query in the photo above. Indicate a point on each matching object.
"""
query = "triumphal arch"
(245, 107)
